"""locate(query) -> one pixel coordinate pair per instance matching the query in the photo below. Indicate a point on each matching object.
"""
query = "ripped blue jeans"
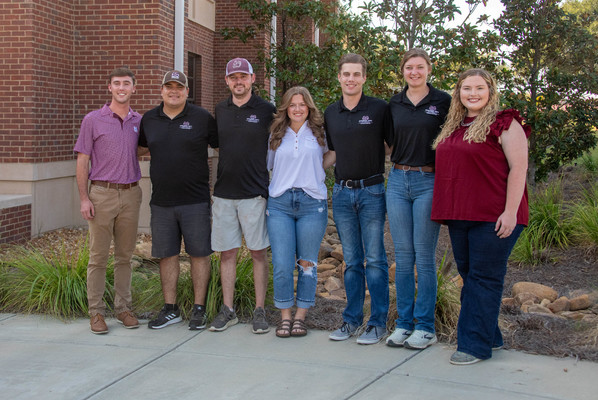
(296, 226)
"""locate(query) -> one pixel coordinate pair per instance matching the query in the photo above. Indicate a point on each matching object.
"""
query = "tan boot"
(98, 325)
(128, 319)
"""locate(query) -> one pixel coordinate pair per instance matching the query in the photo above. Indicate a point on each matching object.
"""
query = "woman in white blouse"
(297, 213)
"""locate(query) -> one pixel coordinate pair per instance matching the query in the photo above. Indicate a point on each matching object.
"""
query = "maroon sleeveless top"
(471, 178)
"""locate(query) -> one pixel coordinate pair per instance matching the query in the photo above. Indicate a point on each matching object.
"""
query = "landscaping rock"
(580, 303)
(545, 302)
(325, 251)
(537, 308)
(330, 260)
(509, 302)
(330, 229)
(337, 253)
(541, 291)
(526, 297)
(574, 315)
(326, 267)
(333, 283)
(391, 272)
(560, 304)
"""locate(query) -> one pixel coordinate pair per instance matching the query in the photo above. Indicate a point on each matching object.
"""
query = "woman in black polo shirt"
(417, 113)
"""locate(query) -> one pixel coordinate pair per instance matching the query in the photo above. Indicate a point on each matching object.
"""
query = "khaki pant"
(116, 216)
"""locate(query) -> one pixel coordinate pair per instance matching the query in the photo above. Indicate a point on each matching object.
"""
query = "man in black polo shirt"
(356, 128)
(177, 135)
(241, 190)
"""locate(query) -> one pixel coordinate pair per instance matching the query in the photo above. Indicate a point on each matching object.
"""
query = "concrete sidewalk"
(44, 358)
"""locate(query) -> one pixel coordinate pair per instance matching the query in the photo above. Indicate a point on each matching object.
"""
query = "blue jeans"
(409, 204)
(359, 215)
(481, 259)
(296, 225)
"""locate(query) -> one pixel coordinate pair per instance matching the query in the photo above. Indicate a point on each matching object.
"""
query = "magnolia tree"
(550, 76)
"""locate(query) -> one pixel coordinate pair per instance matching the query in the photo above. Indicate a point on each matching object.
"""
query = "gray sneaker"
(398, 337)
(260, 325)
(372, 335)
(460, 358)
(224, 319)
(344, 332)
(420, 340)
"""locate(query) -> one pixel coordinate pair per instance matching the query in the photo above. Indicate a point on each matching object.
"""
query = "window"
(193, 75)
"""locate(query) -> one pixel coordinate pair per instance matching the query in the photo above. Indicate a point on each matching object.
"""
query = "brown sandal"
(284, 328)
(299, 328)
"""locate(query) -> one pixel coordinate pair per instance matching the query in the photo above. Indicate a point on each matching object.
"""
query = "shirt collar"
(361, 105)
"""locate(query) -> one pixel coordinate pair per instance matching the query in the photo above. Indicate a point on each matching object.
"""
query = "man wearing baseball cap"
(177, 135)
(241, 190)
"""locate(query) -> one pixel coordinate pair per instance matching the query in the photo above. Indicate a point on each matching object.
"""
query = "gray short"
(191, 221)
(233, 219)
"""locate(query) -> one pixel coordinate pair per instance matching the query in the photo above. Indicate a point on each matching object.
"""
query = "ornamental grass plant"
(53, 282)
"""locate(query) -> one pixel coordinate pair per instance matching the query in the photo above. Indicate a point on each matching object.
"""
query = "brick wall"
(138, 34)
(229, 15)
(200, 40)
(37, 65)
(15, 224)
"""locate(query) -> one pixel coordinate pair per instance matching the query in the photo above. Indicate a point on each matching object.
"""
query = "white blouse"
(297, 163)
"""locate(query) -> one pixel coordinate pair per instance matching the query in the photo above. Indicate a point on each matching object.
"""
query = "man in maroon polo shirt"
(108, 139)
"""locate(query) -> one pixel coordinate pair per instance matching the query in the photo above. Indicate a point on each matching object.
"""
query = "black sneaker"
(260, 325)
(224, 319)
(198, 318)
(165, 318)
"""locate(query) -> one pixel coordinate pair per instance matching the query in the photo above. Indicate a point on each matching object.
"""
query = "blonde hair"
(281, 120)
(480, 127)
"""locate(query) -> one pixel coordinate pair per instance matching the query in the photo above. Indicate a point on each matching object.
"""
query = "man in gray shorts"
(241, 190)
(177, 135)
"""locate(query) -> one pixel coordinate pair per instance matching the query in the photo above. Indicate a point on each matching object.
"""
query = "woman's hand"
(505, 224)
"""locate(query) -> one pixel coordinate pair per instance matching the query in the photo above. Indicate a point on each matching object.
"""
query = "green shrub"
(54, 284)
(548, 217)
(590, 164)
(530, 248)
(448, 304)
(585, 218)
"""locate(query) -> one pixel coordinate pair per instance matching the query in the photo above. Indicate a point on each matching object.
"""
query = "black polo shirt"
(416, 127)
(243, 140)
(179, 154)
(357, 136)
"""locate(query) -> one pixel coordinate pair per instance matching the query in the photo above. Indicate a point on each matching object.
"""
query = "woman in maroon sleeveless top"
(480, 193)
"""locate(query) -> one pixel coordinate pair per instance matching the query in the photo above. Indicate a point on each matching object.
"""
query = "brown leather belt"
(109, 185)
(425, 168)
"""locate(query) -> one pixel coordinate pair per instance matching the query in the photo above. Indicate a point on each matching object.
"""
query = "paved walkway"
(44, 358)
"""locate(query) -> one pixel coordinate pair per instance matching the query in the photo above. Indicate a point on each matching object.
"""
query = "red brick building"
(56, 57)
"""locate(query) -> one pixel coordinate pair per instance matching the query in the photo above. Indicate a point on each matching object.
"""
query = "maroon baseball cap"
(239, 65)
(175, 76)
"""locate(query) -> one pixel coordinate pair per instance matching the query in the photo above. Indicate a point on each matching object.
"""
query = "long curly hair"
(480, 127)
(281, 120)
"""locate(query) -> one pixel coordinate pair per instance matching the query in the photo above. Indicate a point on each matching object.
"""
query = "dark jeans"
(481, 259)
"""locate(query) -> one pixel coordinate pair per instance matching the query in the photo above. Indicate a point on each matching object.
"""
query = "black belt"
(361, 183)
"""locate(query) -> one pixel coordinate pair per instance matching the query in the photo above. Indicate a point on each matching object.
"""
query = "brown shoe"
(128, 319)
(98, 325)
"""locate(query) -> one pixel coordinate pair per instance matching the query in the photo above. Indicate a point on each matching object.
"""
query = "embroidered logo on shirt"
(432, 111)
(365, 120)
(135, 129)
(253, 119)
(186, 125)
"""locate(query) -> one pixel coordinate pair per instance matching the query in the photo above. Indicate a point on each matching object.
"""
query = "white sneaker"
(398, 337)
(420, 340)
